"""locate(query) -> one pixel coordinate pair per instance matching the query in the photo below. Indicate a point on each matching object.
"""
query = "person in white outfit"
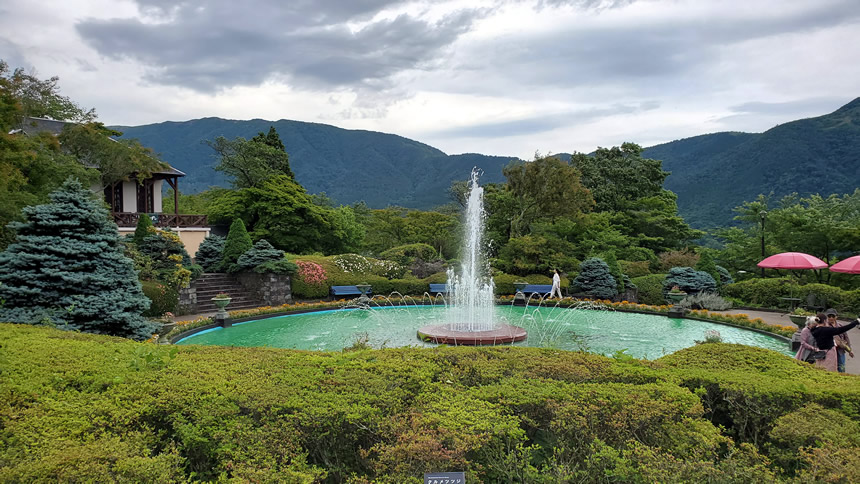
(556, 285)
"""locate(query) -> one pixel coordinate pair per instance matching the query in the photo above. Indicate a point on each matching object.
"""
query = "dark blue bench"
(541, 289)
(348, 291)
(438, 288)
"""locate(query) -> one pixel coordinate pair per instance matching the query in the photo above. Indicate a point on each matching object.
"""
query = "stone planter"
(797, 319)
(676, 297)
(221, 302)
(363, 288)
(519, 286)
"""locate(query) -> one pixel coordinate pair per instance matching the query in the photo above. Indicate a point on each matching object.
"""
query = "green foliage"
(689, 280)
(170, 260)
(406, 254)
(394, 226)
(143, 229)
(67, 269)
(595, 279)
(677, 258)
(635, 268)
(706, 264)
(163, 298)
(210, 253)
(651, 289)
(763, 292)
(261, 253)
(237, 243)
(546, 186)
(23, 94)
(505, 282)
(251, 162)
(78, 408)
(725, 276)
(533, 254)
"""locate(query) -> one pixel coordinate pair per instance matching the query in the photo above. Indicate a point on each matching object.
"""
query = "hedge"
(767, 293)
(80, 407)
(164, 298)
(650, 289)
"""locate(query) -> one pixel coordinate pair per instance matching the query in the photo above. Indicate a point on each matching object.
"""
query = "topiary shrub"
(261, 253)
(594, 279)
(689, 280)
(812, 426)
(651, 289)
(210, 253)
(163, 298)
(143, 229)
(238, 242)
(67, 269)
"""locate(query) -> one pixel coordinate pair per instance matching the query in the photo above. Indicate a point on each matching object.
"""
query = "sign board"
(444, 478)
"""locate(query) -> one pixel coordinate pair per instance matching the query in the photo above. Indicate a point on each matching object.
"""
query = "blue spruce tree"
(595, 279)
(67, 269)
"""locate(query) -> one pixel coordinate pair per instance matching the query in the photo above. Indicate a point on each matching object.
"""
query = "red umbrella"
(792, 260)
(850, 265)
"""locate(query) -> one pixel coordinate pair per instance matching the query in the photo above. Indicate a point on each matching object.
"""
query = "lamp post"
(763, 215)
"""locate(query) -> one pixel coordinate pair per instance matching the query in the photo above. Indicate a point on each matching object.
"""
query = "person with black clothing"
(824, 340)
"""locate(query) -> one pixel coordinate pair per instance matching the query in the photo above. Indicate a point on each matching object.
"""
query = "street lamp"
(763, 215)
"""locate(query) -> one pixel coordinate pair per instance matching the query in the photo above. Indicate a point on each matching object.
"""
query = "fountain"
(471, 318)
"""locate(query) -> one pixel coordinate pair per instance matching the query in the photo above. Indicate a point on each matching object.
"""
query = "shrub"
(536, 254)
(594, 279)
(762, 292)
(421, 268)
(705, 300)
(260, 253)
(677, 258)
(210, 253)
(67, 268)
(238, 242)
(707, 265)
(164, 298)
(406, 254)
(689, 280)
(811, 426)
(310, 281)
(635, 268)
(143, 229)
(651, 289)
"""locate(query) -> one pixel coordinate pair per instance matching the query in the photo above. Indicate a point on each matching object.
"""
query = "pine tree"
(67, 269)
(238, 242)
(706, 264)
(143, 230)
(261, 253)
(210, 252)
(594, 278)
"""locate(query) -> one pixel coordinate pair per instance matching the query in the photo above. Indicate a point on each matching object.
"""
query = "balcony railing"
(129, 219)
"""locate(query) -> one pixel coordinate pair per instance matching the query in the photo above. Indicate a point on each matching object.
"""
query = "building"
(130, 199)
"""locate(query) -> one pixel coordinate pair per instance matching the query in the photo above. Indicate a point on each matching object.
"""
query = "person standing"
(556, 284)
(824, 336)
(807, 341)
(842, 341)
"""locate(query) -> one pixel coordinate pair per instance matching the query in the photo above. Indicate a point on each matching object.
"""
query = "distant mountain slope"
(711, 174)
(349, 165)
(714, 173)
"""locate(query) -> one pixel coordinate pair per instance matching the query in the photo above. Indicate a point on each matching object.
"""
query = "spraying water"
(473, 307)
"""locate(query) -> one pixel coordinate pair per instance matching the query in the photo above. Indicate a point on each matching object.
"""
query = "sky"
(505, 77)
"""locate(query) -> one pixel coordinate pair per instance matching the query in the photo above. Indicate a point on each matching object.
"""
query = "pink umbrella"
(850, 265)
(792, 260)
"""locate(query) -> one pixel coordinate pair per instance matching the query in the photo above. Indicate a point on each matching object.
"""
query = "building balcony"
(129, 219)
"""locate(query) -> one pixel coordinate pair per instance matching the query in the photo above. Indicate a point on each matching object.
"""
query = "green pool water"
(605, 332)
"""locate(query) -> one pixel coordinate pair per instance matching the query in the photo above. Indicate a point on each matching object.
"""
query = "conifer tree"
(142, 230)
(595, 279)
(706, 264)
(67, 269)
(261, 253)
(238, 242)
(210, 252)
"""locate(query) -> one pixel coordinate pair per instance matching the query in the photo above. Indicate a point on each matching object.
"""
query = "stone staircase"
(210, 284)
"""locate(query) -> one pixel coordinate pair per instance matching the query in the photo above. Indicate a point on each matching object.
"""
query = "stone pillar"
(188, 299)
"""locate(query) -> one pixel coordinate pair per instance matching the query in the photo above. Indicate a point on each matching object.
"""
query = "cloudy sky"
(503, 77)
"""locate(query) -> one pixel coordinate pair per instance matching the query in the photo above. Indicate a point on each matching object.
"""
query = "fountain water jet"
(472, 315)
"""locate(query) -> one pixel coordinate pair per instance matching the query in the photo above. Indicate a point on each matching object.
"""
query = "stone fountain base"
(443, 334)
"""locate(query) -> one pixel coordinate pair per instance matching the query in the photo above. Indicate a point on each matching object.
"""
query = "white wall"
(156, 195)
(129, 196)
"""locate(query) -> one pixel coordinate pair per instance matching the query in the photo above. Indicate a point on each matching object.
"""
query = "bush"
(651, 289)
(677, 258)
(635, 268)
(210, 253)
(238, 242)
(594, 279)
(762, 292)
(406, 254)
(261, 253)
(164, 298)
(705, 300)
(689, 280)
(143, 229)
(725, 277)
(536, 254)
(310, 281)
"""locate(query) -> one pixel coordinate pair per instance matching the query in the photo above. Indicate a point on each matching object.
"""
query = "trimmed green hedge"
(650, 289)
(164, 298)
(81, 407)
(767, 293)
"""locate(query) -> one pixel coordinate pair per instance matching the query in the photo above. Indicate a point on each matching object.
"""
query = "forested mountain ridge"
(711, 173)
(714, 173)
(348, 165)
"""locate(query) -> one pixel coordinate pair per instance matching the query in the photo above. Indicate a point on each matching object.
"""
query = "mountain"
(348, 165)
(714, 173)
(711, 173)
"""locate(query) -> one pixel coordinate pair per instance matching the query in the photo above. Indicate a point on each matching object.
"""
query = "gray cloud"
(752, 116)
(542, 123)
(211, 45)
(12, 54)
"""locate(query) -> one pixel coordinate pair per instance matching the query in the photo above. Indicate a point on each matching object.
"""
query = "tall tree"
(251, 162)
(67, 269)
(618, 176)
(23, 94)
(546, 187)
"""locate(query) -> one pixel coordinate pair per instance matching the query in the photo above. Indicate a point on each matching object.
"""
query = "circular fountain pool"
(598, 331)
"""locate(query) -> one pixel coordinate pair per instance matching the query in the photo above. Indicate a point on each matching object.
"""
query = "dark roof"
(31, 126)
